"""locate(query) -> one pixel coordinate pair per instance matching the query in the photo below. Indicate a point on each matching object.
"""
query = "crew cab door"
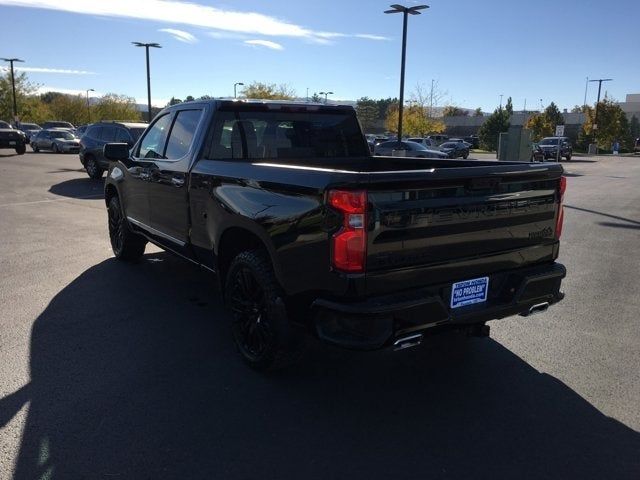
(168, 182)
(138, 175)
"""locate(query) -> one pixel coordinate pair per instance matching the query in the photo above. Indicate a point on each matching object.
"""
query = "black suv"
(101, 133)
(548, 146)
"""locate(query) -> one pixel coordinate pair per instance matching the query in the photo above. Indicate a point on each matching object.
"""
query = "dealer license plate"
(12, 142)
(469, 292)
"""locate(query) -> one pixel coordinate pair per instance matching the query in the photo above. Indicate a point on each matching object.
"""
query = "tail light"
(349, 244)
(562, 187)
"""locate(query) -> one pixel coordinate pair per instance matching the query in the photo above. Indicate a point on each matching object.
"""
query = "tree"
(451, 111)
(544, 124)
(24, 89)
(509, 107)
(189, 98)
(415, 121)
(174, 101)
(116, 107)
(383, 106)
(315, 98)
(70, 108)
(268, 91)
(367, 111)
(613, 125)
(478, 112)
(490, 130)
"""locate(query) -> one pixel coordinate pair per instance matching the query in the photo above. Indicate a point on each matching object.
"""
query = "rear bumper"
(380, 321)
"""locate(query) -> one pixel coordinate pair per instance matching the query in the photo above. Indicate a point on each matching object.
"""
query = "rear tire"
(126, 245)
(568, 157)
(262, 331)
(93, 169)
(54, 147)
(20, 150)
(34, 148)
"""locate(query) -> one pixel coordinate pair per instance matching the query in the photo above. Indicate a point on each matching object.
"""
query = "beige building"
(632, 105)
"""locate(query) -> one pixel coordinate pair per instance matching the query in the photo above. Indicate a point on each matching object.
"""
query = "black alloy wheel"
(126, 245)
(261, 329)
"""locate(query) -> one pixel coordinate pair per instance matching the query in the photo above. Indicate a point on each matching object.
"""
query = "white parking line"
(19, 204)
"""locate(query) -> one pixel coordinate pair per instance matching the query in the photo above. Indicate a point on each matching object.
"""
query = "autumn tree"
(613, 125)
(415, 121)
(268, 91)
(544, 124)
(113, 106)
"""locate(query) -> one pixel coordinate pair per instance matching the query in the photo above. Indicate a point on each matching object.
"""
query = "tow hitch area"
(407, 342)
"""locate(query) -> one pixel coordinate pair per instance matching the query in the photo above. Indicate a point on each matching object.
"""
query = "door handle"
(177, 181)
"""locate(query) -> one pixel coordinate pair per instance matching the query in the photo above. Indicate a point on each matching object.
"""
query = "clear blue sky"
(476, 50)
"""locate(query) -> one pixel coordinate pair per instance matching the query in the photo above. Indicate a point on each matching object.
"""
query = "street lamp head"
(140, 44)
(239, 83)
(90, 90)
(395, 8)
(11, 60)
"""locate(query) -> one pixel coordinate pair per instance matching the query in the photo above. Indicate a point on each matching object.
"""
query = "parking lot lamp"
(326, 94)
(147, 46)
(600, 80)
(13, 86)
(235, 86)
(88, 109)
(406, 11)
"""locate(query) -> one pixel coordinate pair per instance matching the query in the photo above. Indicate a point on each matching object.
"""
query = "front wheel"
(35, 148)
(55, 148)
(21, 149)
(465, 156)
(261, 329)
(126, 245)
(568, 157)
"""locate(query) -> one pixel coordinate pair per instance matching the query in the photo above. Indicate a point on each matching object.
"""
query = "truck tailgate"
(429, 227)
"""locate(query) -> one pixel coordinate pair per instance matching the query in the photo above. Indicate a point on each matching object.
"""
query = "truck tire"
(21, 149)
(93, 169)
(262, 332)
(35, 148)
(126, 245)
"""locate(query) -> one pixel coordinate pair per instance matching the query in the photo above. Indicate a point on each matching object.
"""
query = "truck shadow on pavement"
(79, 188)
(133, 375)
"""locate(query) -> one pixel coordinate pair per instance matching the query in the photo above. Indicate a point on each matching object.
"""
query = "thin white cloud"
(226, 35)
(368, 36)
(265, 43)
(180, 35)
(48, 70)
(187, 13)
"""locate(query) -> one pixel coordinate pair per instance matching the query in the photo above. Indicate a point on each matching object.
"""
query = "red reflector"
(563, 185)
(349, 244)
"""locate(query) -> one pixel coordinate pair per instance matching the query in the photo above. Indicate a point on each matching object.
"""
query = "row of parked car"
(432, 146)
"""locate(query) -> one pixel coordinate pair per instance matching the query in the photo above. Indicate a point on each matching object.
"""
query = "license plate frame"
(469, 292)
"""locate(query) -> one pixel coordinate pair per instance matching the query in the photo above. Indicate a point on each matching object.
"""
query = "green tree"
(268, 91)
(553, 115)
(70, 108)
(509, 107)
(415, 121)
(189, 98)
(490, 130)
(544, 124)
(452, 111)
(367, 111)
(315, 98)
(174, 101)
(383, 106)
(24, 89)
(116, 107)
(478, 112)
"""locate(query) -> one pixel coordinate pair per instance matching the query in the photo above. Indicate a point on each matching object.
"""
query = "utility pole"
(406, 11)
(431, 101)
(13, 87)
(501, 95)
(146, 47)
(586, 87)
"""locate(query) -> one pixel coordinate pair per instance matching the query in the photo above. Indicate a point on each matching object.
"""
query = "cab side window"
(152, 144)
(182, 132)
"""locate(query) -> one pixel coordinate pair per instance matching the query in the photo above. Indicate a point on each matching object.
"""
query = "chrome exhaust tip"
(535, 309)
(407, 342)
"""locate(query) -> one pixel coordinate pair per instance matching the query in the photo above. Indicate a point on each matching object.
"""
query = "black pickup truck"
(309, 232)
(12, 138)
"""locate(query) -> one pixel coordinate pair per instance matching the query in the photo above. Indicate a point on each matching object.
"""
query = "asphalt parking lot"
(110, 370)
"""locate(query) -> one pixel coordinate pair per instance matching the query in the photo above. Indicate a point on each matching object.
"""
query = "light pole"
(235, 86)
(326, 94)
(501, 95)
(88, 109)
(600, 80)
(406, 11)
(586, 86)
(146, 47)
(13, 86)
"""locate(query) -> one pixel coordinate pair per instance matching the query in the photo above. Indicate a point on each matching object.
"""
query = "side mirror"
(116, 151)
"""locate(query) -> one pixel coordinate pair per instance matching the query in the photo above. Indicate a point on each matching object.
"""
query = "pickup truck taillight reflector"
(562, 187)
(349, 243)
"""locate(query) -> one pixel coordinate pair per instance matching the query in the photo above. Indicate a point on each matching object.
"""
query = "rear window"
(284, 134)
